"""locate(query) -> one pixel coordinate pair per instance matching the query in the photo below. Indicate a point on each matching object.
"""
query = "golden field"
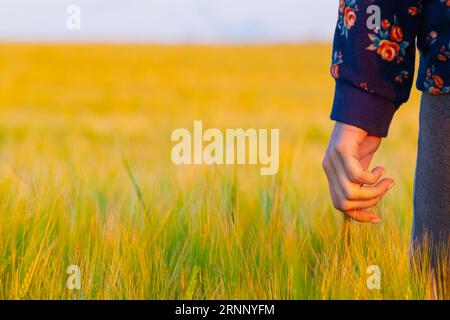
(86, 178)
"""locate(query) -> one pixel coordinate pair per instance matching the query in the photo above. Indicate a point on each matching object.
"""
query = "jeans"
(431, 223)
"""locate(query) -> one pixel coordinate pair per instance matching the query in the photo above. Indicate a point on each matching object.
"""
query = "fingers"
(376, 191)
(355, 171)
(354, 191)
(356, 209)
(367, 150)
(364, 216)
(352, 198)
(378, 171)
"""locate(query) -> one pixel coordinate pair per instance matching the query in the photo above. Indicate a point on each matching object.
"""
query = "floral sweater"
(374, 56)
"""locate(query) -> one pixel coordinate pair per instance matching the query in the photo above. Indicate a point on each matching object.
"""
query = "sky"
(170, 21)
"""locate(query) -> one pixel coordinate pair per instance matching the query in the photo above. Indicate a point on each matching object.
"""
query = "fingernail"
(391, 185)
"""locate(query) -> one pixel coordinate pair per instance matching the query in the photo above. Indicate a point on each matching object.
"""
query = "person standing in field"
(374, 68)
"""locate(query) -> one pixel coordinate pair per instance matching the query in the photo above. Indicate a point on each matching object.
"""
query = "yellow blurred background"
(87, 180)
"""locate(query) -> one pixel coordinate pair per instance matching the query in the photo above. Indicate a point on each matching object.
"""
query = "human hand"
(354, 189)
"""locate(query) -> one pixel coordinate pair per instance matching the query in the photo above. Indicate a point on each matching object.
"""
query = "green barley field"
(86, 178)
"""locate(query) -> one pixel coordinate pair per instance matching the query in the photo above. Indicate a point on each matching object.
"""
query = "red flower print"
(444, 54)
(349, 18)
(432, 37)
(435, 91)
(388, 42)
(337, 60)
(434, 83)
(335, 71)
(388, 50)
(363, 85)
(341, 6)
(396, 34)
(438, 81)
(414, 10)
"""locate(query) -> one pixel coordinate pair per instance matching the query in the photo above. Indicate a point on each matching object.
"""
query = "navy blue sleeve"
(373, 61)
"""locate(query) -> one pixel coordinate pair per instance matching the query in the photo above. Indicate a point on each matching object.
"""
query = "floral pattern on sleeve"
(347, 16)
(377, 65)
(388, 41)
(434, 83)
(337, 61)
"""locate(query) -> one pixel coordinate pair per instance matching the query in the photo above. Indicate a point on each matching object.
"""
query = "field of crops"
(86, 178)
